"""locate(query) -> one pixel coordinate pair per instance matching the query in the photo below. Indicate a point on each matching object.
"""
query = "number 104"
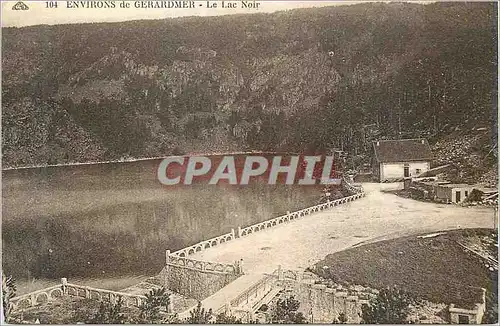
(50, 4)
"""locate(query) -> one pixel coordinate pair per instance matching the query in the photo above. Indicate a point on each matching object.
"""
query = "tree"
(8, 292)
(286, 312)
(108, 313)
(227, 319)
(150, 308)
(199, 315)
(390, 306)
(342, 319)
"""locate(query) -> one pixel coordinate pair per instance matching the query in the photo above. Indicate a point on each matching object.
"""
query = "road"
(378, 216)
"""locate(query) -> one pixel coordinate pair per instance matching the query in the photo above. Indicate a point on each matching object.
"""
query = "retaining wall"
(195, 278)
(321, 304)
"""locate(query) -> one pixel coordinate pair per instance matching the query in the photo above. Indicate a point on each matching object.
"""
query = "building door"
(463, 319)
(457, 196)
(406, 171)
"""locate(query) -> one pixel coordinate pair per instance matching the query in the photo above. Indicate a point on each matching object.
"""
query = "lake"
(112, 220)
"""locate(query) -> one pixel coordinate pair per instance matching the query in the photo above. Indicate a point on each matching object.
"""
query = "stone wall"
(322, 304)
(197, 279)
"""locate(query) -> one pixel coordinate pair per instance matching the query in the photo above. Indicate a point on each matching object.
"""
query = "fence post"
(280, 273)
(241, 266)
(239, 231)
(228, 308)
(87, 292)
(170, 306)
(64, 282)
(167, 257)
(232, 233)
(300, 275)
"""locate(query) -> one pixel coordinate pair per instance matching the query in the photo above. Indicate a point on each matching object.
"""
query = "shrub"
(391, 306)
(286, 312)
(150, 309)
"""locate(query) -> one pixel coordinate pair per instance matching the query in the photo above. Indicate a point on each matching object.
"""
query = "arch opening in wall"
(198, 248)
(72, 291)
(56, 293)
(95, 295)
(23, 303)
(81, 293)
(42, 298)
(214, 243)
(129, 301)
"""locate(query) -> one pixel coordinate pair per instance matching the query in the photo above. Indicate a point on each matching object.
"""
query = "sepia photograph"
(259, 162)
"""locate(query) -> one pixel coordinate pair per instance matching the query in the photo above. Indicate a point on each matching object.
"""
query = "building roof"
(403, 150)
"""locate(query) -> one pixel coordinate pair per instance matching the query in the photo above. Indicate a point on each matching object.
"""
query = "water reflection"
(111, 220)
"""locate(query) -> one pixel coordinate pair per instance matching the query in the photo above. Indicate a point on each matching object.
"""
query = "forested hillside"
(301, 80)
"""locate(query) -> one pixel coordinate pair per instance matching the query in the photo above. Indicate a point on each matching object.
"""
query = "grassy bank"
(436, 268)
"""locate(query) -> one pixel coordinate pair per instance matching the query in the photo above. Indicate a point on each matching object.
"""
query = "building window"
(466, 194)
(406, 170)
(418, 171)
(463, 319)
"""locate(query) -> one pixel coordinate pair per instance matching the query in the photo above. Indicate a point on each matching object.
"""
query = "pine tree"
(199, 315)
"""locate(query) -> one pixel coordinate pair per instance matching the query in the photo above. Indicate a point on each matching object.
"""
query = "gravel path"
(378, 216)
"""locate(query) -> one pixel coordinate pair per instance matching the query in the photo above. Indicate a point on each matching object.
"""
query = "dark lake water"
(116, 219)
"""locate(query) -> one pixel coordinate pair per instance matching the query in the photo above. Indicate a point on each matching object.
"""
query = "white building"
(395, 160)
